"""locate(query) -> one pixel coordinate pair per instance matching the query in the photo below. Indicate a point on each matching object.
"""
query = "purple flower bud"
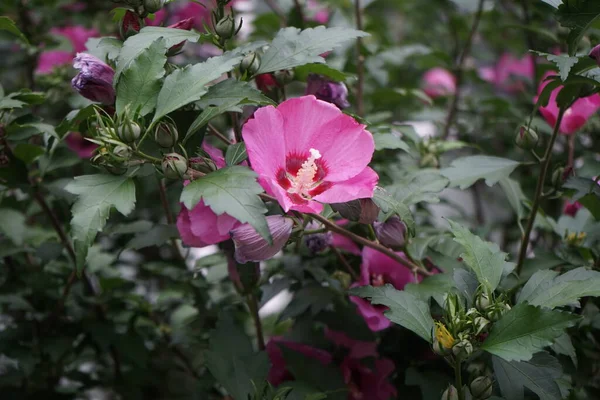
(250, 246)
(94, 80)
(329, 91)
(317, 242)
(595, 54)
(391, 232)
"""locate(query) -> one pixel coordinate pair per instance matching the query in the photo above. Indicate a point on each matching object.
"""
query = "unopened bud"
(462, 349)
(225, 28)
(453, 305)
(429, 161)
(130, 25)
(284, 77)
(129, 132)
(174, 166)
(94, 80)
(595, 54)
(391, 232)
(480, 325)
(122, 151)
(481, 388)
(152, 6)
(250, 64)
(450, 394)
(343, 277)
(251, 246)
(438, 348)
(166, 134)
(527, 138)
(476, 368)
(317, 242)
(575, 239)
(558, 177)
(482, 302)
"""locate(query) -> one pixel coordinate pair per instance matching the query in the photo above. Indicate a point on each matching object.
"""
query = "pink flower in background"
(571, 208)
(377, 269)
(508, 72)
(575, 117)
(278, 372)
(595, 54)
(317, 12)
(356, 348)
(76, 142)
(77, 35)
(160, 17)
(265, 82)
(307, 152)
(438, 82)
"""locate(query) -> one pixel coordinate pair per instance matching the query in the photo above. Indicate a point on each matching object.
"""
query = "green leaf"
(538, 375)
(418, 186)
(12, 225)
(390, 206)
(465, 171)
(515, 197)
(404, 308)
(28, 153)
(189, 84)
(389, 141)
(233, 190)
(106, 48)
(232, 361)
(484, 258)
(466, 283)
(7, 24)
(546, 289)
(293, 47)
(236, 153)
(138, 43)
(140, 84)
(587, 192)
(525, 330)
(563, 62)
(563, 345)
(578, 15)
(435, 286)
(302, 72)
(156, 236)
(98, 194)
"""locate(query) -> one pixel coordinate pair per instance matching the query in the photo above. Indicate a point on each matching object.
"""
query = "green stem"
(253, 307)
(458, 380)
(538, 192)
(147, 157)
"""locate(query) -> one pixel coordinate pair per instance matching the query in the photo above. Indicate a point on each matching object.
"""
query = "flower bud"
(450, 394)
(595, 54)
(462, 349)
(174, 166)
(558, 177)
(453, 305)
(482, 302)
(166, 134)
(94, 80)
(429, 161)
(480, 325)
(527, 138)
(443, 336)
(317, 242)
(152, 6)
(128, 131)
(250, 64)
(438, 348)
(225, 28)
(122, 151)
(186, 25)
(284, 76)
(130, 25)
(364, 211)
(575, 239)
(327, 90)
(266, 82)
(481, 388)
(476, 368)
(391, 232)
(251, 246)
(343, 277)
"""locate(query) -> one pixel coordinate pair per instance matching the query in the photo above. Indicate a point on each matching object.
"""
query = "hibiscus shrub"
(301, 200)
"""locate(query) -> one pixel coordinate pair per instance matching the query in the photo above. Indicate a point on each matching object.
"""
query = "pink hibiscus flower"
(575, 117)
(307, 152)
(508, 67)
(77, 35)
(278, 372)
(317, 12)
(438, 82)
(571, 208)
(84, 148)
(377, 269)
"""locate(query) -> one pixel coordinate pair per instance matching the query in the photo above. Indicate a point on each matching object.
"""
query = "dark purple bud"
(595, 54)
(391, 232)
(317, 242)
(364, 211)
(329, 91)
(250, 246)
(94, 80)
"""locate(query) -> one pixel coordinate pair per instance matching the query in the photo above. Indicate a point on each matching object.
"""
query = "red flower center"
(303, 176)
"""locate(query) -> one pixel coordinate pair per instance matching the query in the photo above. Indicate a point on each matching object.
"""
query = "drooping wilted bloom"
(509, 72)
(595, 54)
(377, 269)
(251, 246)
(391, 232)
(438, 82)
(94, 80)
(307, 152)
(327, 90)
(576, 116)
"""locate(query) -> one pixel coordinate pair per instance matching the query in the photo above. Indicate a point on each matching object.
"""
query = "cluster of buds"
(224, 24)
(145, 7)
(491, 310)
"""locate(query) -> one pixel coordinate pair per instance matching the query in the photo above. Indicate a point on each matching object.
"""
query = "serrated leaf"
(564, 345)
(538, 375)
(232, 361)
(98, 194)
(421, 185)
(389, 141)
(7, 24)
(302, 72)
(484, 258)
(106, 48)
(12, 225)
(390, 206)
(232, 190)
(404, 308)
(189, 84)
(138, 43)
(140, 84)
(292, 47)
(466, 283)
(515, 197)
(236, 153)
(546, 289)
(525, 330)
(435, 286)
(465, 171)
(578, 15)
(563, 62)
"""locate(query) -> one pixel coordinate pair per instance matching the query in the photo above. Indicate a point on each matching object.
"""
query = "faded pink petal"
(77, 34)
(250, 245)
(373, 315)
(575, 117)
(343, 243)
(278, 372)
(159, 18)
(438, 82)
(201, 227)
(84, 148)
(366, 383)
(215, 154)
(595, 54)
(508, 72)
(48, 60)
(305, 148)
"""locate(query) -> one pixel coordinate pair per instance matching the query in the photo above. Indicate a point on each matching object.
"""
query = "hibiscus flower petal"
(266, 150)
(359, 187)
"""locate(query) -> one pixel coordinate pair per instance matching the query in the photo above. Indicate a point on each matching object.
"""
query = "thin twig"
(300, 11)
(360, 69)
(345, 263)
(215, 132)
(538, 192)
(253, 307)
(459, 71)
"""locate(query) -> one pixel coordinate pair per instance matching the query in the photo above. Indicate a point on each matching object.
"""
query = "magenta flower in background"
(77, 35)
(76, 142)
(307, 152)
(278, 372)
(509, 72)
(48, 60)
(357, 349)
(327, 90)
(595, 54)
(159, 18)
(250, 246)
(94, 80)
(317, 12)
(377, 269)
(575, 117)
(438, 82)
(571, 208)
(265, 82)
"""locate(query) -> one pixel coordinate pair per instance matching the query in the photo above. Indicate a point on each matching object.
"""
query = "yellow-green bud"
(462, 349)
(174, 166)
(527, 138)
(429, 160)
(482, 302)
(225, 28)
(152, 6)
(166, 134)
(481, 388)
(129, 132)
(250, 64)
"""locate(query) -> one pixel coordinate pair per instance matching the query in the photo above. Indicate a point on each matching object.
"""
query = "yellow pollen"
(443, 336)
(304, 179)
